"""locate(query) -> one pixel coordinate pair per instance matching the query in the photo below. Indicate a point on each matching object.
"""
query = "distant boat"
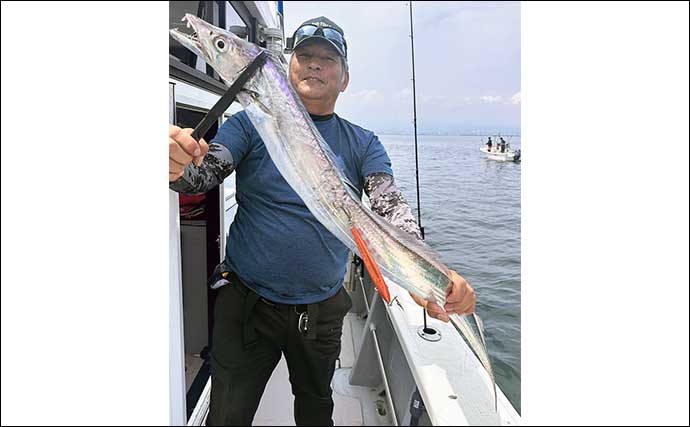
(500, 153)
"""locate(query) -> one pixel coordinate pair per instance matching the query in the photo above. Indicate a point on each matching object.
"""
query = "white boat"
(507, 154)
(388, 364)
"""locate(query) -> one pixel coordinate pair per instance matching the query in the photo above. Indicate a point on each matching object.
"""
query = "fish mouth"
(190, 41)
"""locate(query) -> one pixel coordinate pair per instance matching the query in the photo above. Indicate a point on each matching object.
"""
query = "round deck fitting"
(429, 334)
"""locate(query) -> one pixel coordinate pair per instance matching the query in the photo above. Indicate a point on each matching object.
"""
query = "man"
(284, 263)
(489, 144)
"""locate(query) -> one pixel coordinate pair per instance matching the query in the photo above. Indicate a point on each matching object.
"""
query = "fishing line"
(416, 148)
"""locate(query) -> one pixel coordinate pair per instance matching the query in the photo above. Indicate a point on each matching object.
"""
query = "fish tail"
(480, 327)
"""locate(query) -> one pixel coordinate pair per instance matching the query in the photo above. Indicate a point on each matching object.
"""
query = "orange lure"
(371, 266)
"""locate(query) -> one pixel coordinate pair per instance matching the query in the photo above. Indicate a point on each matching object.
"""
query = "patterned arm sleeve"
(217, 165)
(387, 201)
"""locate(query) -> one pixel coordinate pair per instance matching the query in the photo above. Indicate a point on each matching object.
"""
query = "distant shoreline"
(447, 134)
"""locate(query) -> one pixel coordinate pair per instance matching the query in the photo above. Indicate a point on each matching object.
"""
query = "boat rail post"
(384, 377)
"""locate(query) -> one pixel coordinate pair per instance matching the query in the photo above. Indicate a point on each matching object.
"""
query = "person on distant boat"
(489, 144)
(281, 283)
(502, 144)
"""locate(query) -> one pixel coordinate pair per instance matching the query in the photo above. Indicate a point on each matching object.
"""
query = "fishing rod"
(416, 151)
(414, 111)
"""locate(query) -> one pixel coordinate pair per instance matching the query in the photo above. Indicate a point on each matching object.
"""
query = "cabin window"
(233, 19)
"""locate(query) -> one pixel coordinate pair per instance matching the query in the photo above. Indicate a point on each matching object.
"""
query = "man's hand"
(183, 150)
(460, 298)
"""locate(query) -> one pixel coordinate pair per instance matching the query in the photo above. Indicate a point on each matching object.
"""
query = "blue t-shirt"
(276, 246)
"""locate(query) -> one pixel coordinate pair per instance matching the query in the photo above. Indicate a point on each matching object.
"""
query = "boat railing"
(394, 353)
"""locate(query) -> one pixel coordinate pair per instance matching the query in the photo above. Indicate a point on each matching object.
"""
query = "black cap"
(339, 45)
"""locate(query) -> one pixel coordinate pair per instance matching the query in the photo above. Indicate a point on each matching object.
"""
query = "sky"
(467, 63)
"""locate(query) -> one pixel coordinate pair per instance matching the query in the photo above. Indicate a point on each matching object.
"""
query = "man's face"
(316, 72)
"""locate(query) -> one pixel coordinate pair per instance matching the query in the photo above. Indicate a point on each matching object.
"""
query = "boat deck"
(353, 406)
(382, 350)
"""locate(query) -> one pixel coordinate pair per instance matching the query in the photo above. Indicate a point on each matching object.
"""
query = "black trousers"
(247, 346)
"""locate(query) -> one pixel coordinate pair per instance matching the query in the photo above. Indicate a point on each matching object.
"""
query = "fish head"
(227, 53)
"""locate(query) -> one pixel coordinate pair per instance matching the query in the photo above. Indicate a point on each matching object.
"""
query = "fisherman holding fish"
(283, 269)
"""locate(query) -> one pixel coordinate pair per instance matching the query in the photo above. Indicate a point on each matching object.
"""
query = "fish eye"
(221, 44)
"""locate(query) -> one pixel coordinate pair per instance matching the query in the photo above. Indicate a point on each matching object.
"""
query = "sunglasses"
(330, 34)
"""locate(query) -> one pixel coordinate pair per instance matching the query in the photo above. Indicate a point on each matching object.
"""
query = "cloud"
(404, 93)
(517, 98)
(491, 99)
(367, 96)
